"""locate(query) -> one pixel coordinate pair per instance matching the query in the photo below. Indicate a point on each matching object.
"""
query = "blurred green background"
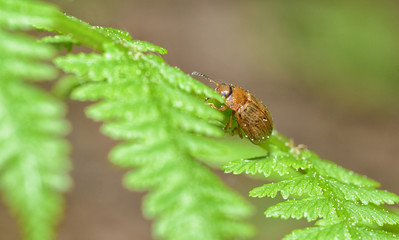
(327, 70)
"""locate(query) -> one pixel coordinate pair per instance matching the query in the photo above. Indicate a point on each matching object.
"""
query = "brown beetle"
(250, 113)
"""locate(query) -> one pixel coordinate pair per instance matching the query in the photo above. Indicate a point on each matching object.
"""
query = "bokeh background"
(327, 70)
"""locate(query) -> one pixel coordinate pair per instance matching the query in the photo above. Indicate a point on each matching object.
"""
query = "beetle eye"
(226, 92)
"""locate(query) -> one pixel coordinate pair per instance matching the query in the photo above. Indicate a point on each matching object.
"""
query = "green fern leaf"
(321, 207)
(181, 80)
(149, 177)
(19, 53)
(340, 231)
(299, 186)
(33, 157)
(64, 86)
(60, 41)
(111, 110)
(120, 90)
(366, 233)
(217, 151)
(143, 130)
(164, 135)
(148, 152)
(310, 208)
(126, 40)
(282, 164)
(97, 68)
(193, 124)
(337, 231)
(278, 160)
(142, 46)
(364, 195)
(341, 199)
(159, 111)
(327, 168)
(369, 215)
(24, 14)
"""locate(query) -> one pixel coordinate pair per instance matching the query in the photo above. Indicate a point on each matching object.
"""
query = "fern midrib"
(79, 30)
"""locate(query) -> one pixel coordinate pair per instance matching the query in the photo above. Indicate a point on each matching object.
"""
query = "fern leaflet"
(33, 157)
(346, 204)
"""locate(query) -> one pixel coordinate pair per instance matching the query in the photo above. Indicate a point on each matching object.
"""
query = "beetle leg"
(238, 130)
(229, 123)
(222, 108)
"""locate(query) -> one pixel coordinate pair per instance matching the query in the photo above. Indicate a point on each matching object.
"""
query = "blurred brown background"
(328, 71)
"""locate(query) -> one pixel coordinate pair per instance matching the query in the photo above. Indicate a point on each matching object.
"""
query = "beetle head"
(224, 89)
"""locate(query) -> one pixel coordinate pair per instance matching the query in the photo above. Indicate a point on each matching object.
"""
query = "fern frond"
(340, 231)
(365, 195)
(366, 233)
(33, 159)
(158, 111)
(281, 164)
(369, 214)
(24, 14)
(298, 186)
(159, 114)
(309, 208)
(346, 203)
(327, 168)
(126, 40)
(336, 231)
(19, 53)
(60, 41)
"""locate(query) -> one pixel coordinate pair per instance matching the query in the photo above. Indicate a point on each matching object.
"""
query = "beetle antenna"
(204, 76)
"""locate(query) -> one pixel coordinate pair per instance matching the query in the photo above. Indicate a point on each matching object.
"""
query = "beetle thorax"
(235, 96)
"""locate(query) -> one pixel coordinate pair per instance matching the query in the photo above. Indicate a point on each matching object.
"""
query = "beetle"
(251, 114)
